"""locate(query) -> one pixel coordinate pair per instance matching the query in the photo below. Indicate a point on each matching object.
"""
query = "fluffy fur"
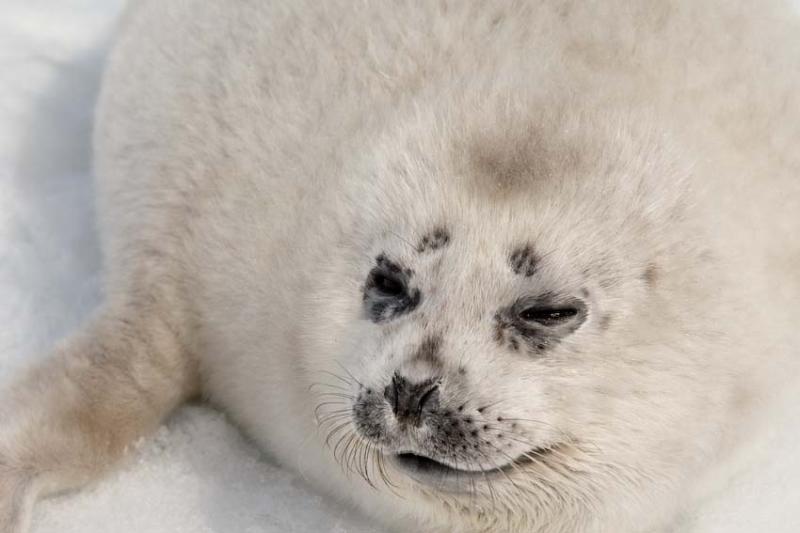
(258, 161)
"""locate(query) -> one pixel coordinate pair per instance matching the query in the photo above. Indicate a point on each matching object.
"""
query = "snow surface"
(197, 474)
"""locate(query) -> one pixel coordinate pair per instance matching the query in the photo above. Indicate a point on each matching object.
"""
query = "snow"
(197, 474)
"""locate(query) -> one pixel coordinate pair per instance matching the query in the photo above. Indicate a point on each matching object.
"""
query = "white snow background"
(197, 474)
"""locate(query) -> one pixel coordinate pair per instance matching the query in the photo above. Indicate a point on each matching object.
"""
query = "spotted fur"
(524, 261)
(433, 241)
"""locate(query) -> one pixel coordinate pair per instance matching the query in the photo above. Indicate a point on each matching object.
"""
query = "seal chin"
(447, 478)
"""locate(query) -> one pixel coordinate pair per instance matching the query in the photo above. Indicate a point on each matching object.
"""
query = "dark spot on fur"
(605, 322)
(524, 261)
(435, 240)
(429, 351)
(650, 275)
(499, 332)
(388, 264)
(462, 370)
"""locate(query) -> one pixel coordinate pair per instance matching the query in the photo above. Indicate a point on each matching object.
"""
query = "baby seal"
(474, 266)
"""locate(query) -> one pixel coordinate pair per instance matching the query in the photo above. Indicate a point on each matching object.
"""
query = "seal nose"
(409, 400)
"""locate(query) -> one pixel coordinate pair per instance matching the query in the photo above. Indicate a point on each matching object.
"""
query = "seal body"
(497, 266)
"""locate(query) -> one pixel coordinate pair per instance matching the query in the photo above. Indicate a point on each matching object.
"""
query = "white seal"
(496, 266)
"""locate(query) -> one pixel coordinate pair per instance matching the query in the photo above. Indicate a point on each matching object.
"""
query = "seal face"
(428, 419)
(507, 348)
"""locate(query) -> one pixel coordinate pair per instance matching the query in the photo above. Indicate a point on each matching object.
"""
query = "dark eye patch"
(386, 284)
(387, 291)
(538, 323)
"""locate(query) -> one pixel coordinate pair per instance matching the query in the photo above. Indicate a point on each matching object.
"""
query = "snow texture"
(197, 474)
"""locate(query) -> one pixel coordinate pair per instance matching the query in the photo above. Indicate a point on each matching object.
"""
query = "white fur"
(255, 157)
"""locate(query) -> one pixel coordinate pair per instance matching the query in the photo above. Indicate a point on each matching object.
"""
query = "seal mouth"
(444, 477)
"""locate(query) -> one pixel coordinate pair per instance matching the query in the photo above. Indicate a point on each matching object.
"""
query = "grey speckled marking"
(505, 333)
(428, 351)
(436, 239)
(369, 415)
(524, 261)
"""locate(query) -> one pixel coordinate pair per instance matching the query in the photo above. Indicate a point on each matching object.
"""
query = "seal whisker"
(337, 376)
(386, 477)
(325, 404)
(336, 430)
(354, 456)
(318, 384)
(498, 468)
(366, 456)
(404, 241)
(344, 458)
(333, 417)
(350, 374)
(337, 395)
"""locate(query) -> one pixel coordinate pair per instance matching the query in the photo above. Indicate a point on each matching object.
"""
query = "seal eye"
(388, 292)
(387, 285)
(548, 316)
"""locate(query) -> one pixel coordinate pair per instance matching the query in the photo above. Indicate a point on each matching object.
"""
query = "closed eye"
(548, 316)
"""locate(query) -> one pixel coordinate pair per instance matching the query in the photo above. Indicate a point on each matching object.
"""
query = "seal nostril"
(408, 400)
(429, 396)
(391, 393)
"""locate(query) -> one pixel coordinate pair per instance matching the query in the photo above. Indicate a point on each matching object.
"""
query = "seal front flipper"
(74, 416)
